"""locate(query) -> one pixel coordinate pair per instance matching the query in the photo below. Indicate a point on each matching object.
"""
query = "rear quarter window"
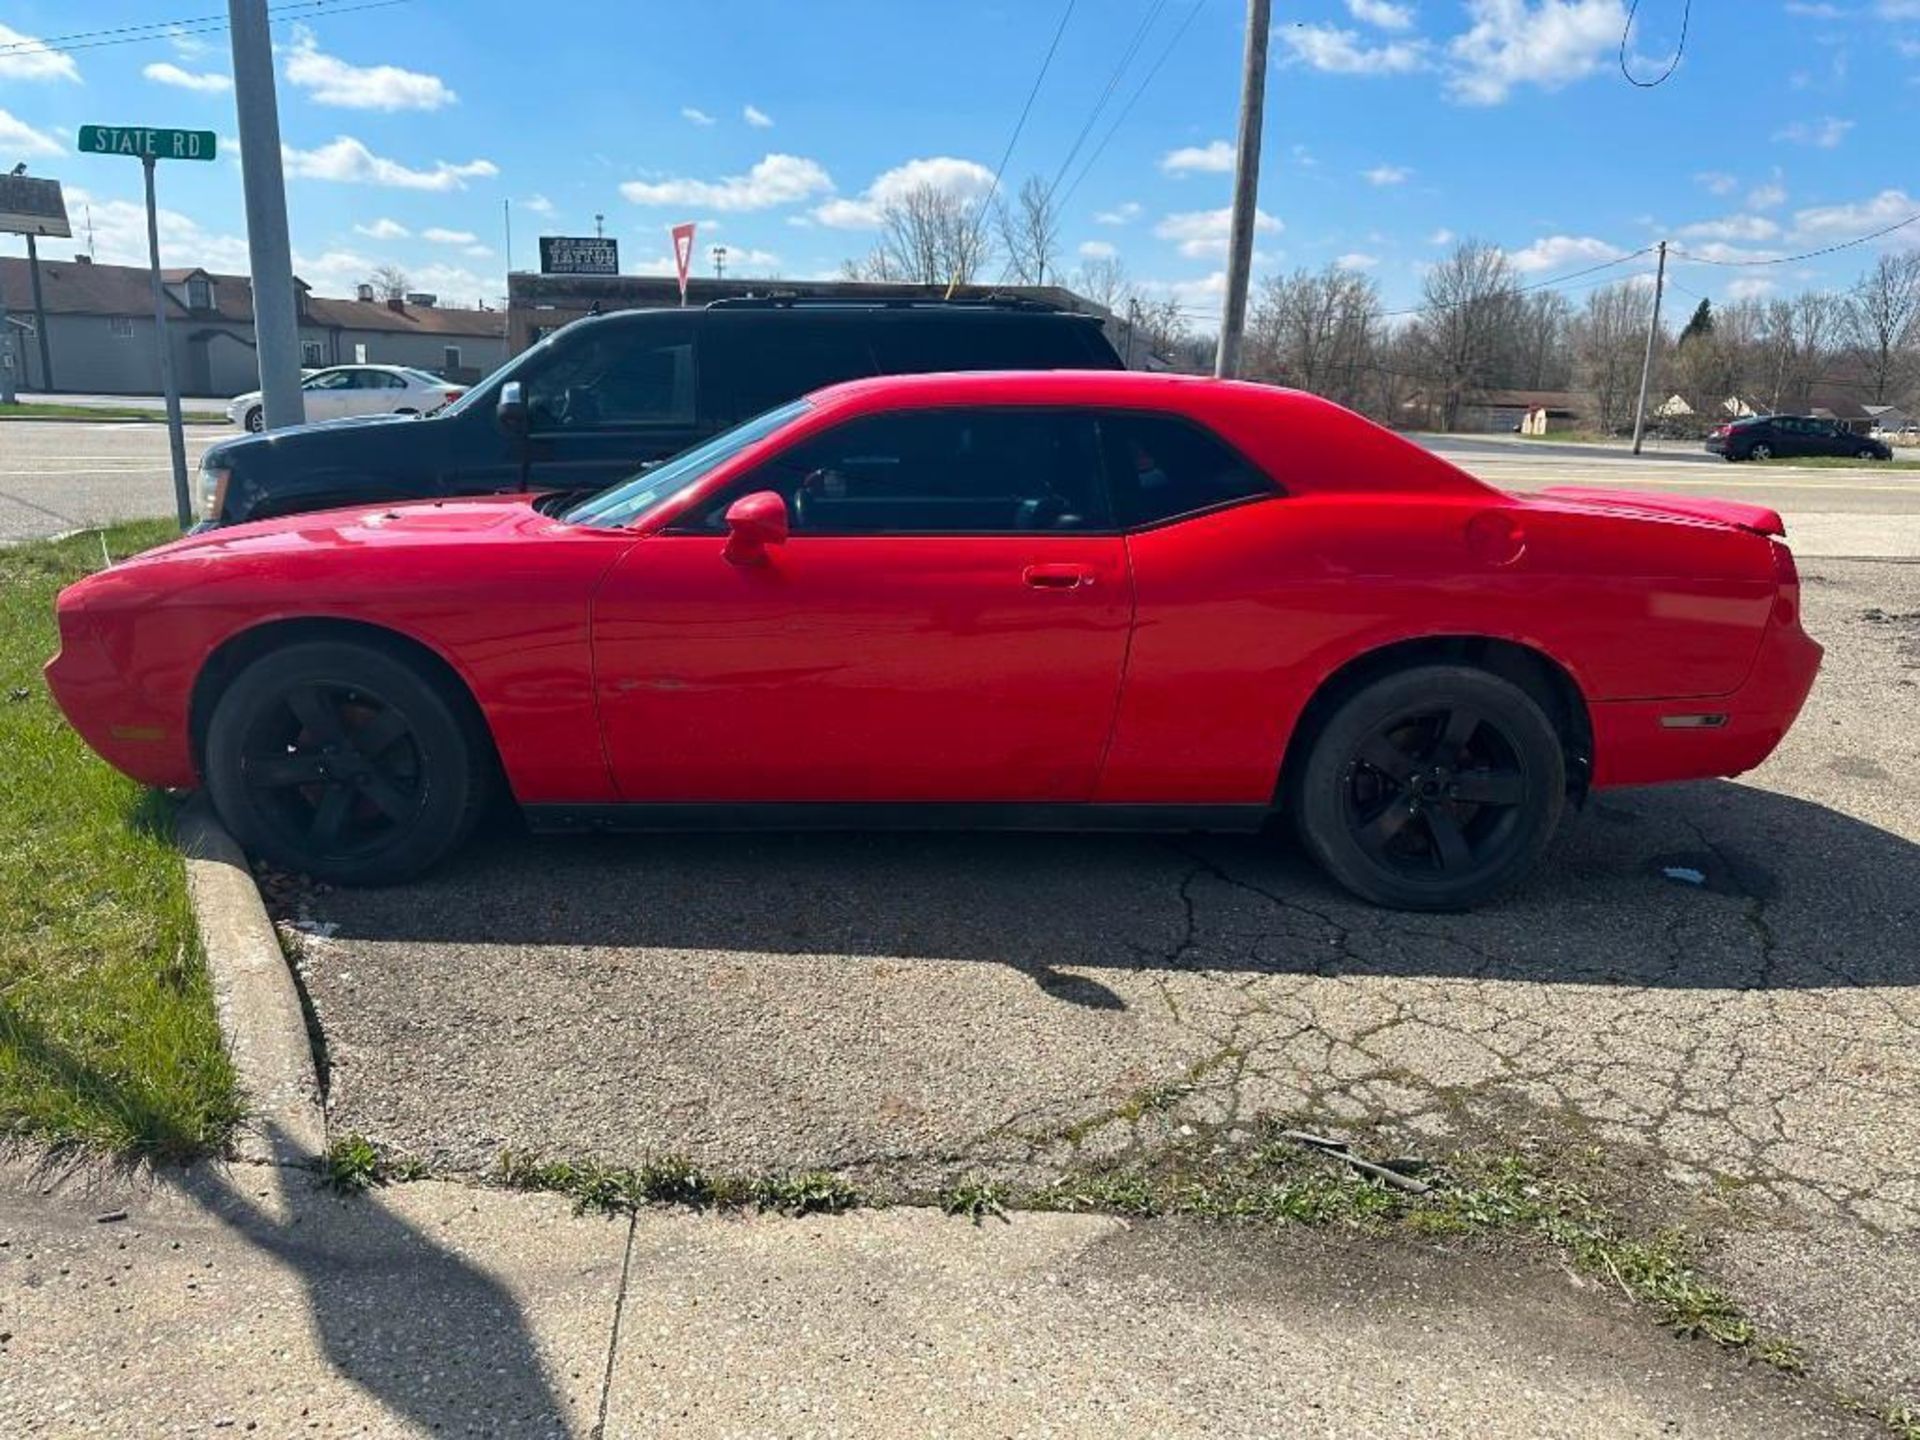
(923, 344)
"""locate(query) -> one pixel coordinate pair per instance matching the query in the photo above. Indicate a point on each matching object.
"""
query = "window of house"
(120, 327)
(450, 358)
(1164, 467)
(310, 352)
(199, 295)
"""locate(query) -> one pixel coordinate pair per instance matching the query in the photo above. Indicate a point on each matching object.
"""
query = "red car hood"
(1757, 518)
(415, 523)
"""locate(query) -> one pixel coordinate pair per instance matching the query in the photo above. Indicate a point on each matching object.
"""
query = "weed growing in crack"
(351, 1165)
(976, 1198)
(675, 1180)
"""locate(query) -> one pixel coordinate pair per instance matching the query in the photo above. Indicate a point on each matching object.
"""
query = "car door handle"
(1057, 577)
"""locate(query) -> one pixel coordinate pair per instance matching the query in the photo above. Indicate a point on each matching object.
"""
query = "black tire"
(1762, 451)
(1863, 453)
(345, 761)
(254, 421)
(1384, 800)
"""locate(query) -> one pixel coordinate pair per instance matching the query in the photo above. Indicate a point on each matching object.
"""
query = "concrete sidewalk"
(249, 1301)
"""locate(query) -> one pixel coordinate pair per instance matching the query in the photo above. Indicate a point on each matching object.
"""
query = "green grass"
(1833, 462)
(35, 410)
(675, 1180)
(107, 1030)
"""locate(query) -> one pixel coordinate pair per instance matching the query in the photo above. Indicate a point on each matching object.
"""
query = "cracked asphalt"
(909, 1008)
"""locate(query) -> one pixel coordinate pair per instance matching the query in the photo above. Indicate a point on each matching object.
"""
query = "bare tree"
(1030, 233)
(928, 236)
(1467, 319)
(1541, 358)
(1104, 281)
(1315, 331)
(389, 282)
(1883, 322)
(1797, 346)
(1609, 339)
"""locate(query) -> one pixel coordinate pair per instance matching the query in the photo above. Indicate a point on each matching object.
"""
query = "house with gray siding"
(100, 330)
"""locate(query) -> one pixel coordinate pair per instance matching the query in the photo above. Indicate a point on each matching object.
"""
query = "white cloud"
(337, 272)
(1442, 236)
(1814, 10)
(330, 80)
(1098, 250)
(695, 115)
(120, 234)
(1549, 43)
(774, 180)
(963, 178)
(348, 161)
(1733, 227)
(440, 235)
(1749, 287)
(1384, 13)
(25, 57)
(165, 72)
(1215, 157)
(1767, 197)
(1387, 175)
(1824, 223)
(1124, 213)
(1722, 253)
(1717, 182)
(538, 204)
(383, 229)
(740, 260)
(757, 117)
(1344, 52)
(1898, 9)
(19, 138)
(1357, 260)
(1200, 298)
(1825, 133)
(1555, 252)
(1200, 233)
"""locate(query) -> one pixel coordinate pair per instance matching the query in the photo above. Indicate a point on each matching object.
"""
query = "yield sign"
(683, 254)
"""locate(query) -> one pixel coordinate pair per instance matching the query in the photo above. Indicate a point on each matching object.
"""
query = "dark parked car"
(606, 395)
(1771, 437)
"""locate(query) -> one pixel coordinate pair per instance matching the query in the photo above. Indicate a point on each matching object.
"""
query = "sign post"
(29, 205)
(683, 255)
(150, 146)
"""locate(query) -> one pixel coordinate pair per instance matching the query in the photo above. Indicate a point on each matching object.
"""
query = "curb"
(254, 993)
(105, 420)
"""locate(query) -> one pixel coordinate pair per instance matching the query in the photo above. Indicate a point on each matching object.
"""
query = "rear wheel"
(255, 421)
(1435, 788)
(1762, 451)
(1863, 453)
(343, 761)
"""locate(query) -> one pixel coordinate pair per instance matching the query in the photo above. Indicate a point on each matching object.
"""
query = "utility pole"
(719, 253)
(506, 219)
(276, 312)
(1133, 318)
(39, 316)
(1646, 363)
(7, 393)
(1246, 189)
(599, 226)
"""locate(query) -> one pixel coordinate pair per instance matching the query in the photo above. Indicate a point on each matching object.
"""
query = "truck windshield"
(633, 497)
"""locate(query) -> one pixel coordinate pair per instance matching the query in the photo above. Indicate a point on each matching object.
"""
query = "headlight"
(213, 489)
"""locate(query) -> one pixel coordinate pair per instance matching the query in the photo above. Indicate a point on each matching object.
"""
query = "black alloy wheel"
(1433, 789)
(344, 762)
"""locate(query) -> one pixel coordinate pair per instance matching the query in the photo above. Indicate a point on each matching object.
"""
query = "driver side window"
(618, 375)
(933, 472)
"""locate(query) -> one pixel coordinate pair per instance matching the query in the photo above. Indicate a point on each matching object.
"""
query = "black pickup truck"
(607, 395)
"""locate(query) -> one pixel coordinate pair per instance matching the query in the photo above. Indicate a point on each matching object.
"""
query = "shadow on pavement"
(1732, 877)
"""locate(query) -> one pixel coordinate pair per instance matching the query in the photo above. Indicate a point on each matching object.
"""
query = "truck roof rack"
(885, 302)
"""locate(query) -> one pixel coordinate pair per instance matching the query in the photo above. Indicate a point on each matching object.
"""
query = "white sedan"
(356, 390)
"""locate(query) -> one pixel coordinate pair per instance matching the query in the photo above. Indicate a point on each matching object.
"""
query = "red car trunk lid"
(1756, 518)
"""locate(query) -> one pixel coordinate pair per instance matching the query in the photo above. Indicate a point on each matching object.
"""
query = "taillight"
(1722, 430)
(1786, 575)
(453, 393)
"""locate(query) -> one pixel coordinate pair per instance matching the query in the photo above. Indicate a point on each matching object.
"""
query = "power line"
(1807, 254)
(169, 29)
(1025, 110)
(1113, 83)
(1134, 99)
(1626, 30)
(1549, 283)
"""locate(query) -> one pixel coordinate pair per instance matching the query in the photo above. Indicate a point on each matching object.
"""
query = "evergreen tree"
(1701, 325)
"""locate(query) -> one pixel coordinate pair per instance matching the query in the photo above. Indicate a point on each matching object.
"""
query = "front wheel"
(1435, 788)
(343, 761)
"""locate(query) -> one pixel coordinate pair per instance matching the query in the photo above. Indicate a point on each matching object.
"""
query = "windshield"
(485, 391)
(626, 502)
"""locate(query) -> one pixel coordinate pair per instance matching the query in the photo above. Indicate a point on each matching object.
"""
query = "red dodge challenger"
(1048, 600)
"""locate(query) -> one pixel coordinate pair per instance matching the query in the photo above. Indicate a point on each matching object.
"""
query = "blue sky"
(1392, 126)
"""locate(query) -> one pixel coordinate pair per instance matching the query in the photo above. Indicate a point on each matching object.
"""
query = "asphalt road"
(910, 1008)
(57, 476)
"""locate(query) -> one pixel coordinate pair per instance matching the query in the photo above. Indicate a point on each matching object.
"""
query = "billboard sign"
(30, 205)
(579, 255)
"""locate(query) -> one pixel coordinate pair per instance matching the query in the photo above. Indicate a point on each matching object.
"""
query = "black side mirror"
(510, 414)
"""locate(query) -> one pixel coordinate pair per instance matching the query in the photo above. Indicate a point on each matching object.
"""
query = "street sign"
(579, 255)
(146, 143)
(30, 205)
(683, 255)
